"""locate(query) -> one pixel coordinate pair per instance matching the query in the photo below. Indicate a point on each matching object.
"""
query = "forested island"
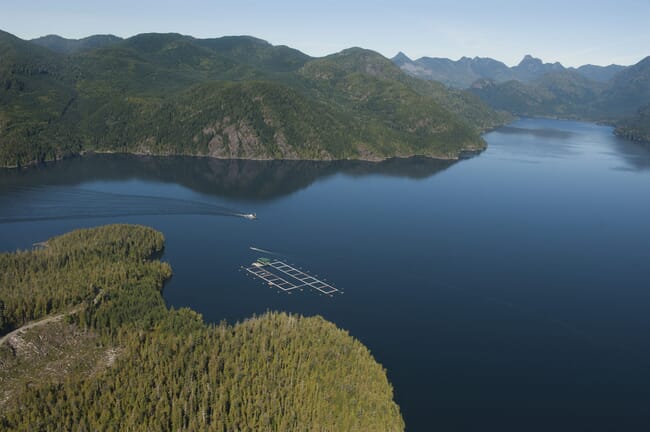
(99, 350)
(229, 97)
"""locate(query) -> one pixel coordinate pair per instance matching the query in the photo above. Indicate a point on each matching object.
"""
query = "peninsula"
(92, 319)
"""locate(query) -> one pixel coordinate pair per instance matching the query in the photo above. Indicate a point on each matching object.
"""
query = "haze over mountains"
(464, 72)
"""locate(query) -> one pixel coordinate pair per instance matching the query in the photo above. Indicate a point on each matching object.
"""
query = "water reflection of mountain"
(635, 154)
(241, 179)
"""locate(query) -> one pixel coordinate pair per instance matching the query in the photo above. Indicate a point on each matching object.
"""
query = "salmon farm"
(287, 278)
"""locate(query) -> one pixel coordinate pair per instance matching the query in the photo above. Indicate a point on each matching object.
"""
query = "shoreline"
(462, 154)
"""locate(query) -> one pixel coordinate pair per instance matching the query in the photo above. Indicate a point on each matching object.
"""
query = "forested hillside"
(636, 128)
(232, 97)
(71, 46)
(120, 360)
(565, 94)
(38, 104)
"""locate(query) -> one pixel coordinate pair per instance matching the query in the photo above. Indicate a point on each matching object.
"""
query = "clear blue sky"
(571, 32)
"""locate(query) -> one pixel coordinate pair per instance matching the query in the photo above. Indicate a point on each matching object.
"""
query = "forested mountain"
(628, 91)
(232, 97)
(257, 53)
(38, 109)
(599, 73)
(531, 68)
(560, 94)
(113, 357)
(457, 74)
(69, 46)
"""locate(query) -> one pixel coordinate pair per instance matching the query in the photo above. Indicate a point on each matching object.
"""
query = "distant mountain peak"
(530, 60)
(401, 59)
(463, 73)
(401, 55)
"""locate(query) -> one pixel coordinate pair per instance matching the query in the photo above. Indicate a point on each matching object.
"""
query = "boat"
(249, 216)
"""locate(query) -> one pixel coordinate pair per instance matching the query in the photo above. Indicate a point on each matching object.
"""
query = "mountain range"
(466, 71)
(241, 97)
(569, 94)
(229, 97)
(614, 94)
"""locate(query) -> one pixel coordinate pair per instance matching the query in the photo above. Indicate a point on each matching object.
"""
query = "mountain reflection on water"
(241, 179)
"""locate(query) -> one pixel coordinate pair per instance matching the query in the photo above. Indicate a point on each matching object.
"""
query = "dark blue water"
(509, 291)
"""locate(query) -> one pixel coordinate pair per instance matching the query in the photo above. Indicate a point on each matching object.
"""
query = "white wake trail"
(256, 249)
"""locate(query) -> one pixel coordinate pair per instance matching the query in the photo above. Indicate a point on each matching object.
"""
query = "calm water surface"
(504, 292)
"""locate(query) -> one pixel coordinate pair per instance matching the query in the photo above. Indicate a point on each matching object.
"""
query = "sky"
(572, 32)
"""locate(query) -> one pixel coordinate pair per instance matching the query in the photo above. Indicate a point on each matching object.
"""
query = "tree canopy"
(168, 369)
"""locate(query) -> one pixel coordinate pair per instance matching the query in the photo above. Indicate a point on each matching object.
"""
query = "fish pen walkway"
(286, 277)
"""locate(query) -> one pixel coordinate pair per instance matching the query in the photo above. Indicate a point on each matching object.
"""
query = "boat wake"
(52, 203)
(265, 251)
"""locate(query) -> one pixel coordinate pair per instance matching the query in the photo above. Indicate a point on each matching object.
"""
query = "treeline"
(276, 372)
